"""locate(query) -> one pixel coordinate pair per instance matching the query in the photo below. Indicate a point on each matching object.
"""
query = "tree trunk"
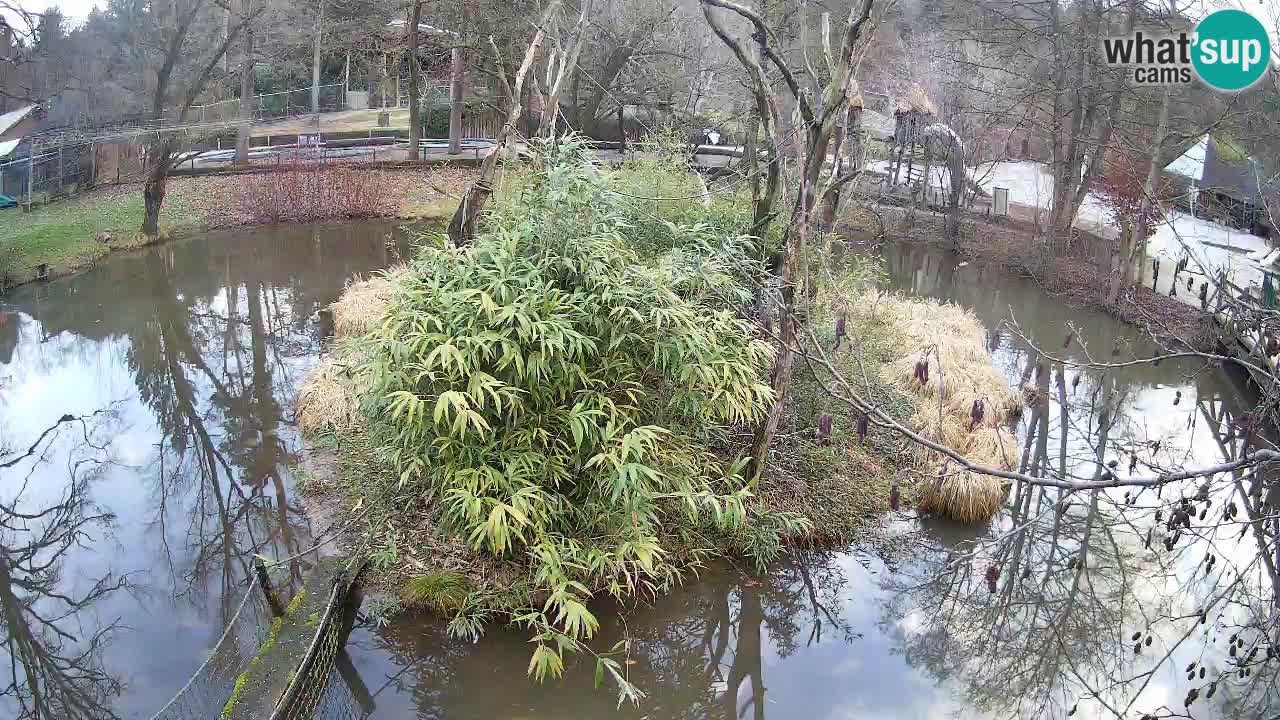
(622, 131)
(847, 163)
(385, 86)
(957, 173)
(415, 120)
(575, 112)
(1148, 205)
(248, 101)
(797, 237)
(780, 379)
(613, 66)
(456, 71)
(462, 227)
(160, 159)
(315, 61)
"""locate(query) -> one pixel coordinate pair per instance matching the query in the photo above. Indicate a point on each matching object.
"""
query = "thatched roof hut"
(915, 101)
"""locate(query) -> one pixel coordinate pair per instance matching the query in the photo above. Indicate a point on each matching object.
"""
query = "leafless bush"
(314, 192)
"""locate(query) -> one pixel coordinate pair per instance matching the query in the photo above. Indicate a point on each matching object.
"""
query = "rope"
(324, 541)
(230, 624)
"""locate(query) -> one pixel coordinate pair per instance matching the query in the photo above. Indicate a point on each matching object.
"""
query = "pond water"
(150, 510)
(191, 354)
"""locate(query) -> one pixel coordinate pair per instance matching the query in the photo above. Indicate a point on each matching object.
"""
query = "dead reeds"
(964, 403)
(362, 306)
(328, 401)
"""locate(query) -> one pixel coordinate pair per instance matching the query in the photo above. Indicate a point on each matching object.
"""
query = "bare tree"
(820, 113)
(462, 227)
(562, 64)
(178, 46)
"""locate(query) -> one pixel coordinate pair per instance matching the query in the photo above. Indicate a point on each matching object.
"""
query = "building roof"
(1228, 171)
(9, 119)
(1218, 165)
(915, 101)
(8, 146)
(1190, 164)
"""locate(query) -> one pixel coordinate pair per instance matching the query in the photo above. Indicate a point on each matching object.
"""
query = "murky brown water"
(196, 349)
(912, 632)
(190, 353)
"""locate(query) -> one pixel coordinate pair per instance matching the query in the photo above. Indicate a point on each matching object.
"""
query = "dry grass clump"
(963, 496)
(328, 401)
(364, 304)
(964, 403)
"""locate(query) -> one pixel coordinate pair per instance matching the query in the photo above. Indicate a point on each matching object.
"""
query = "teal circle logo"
(1232, 50)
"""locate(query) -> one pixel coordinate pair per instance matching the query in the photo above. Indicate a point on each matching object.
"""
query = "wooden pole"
(455, 101)
(264, 580)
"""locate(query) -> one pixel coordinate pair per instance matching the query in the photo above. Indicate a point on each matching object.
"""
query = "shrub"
(555, 397)
(313, 192)
(659, 189)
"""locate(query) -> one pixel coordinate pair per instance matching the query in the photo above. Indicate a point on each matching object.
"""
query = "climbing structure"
(912, 114)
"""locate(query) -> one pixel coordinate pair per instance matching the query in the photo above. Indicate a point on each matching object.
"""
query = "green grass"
(63, 234)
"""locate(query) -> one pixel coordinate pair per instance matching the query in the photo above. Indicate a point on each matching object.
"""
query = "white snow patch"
(1212, 247)
(938, 175)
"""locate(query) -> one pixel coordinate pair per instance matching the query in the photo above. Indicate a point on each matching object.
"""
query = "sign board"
(1000, 201)
(309, 140)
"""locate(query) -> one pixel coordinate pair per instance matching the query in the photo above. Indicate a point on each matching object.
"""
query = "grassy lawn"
(63, 234)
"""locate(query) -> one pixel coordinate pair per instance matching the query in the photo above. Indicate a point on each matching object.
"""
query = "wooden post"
(622, 132)
(264, 581)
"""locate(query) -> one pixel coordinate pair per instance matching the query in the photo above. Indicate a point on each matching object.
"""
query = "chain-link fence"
(43, 174)
(205, 694)
(271, 106)
(321, 690)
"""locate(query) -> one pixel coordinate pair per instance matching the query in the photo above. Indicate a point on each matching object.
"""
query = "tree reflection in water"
(52, 644)
(701, 652)
(201, 344)
(1106, 608)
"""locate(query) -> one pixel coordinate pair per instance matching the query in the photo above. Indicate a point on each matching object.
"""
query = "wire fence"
(42, 176)
(320, 689)
(212, 684)
(271, 106)
(323, 684)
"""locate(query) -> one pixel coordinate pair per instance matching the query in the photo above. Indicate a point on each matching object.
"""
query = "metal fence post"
(31, 175)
